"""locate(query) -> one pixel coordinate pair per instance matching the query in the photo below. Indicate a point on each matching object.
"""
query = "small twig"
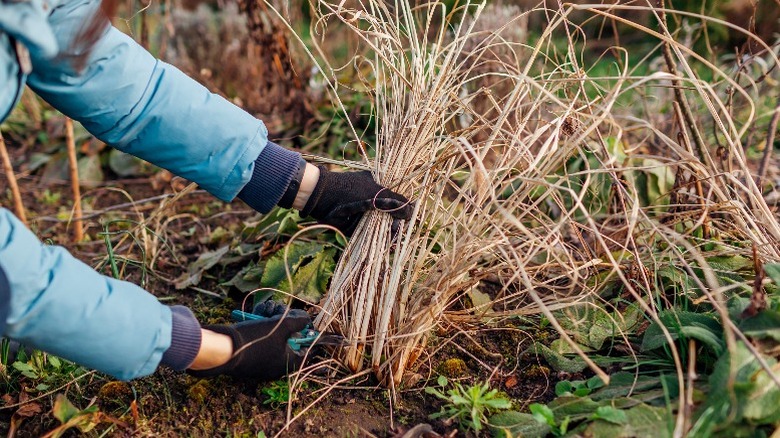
(9, 172)
(701, 148)
(97, 213)
(78, 225)
(769, 147)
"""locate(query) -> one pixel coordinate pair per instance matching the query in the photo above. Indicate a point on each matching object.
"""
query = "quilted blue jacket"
(142, 106)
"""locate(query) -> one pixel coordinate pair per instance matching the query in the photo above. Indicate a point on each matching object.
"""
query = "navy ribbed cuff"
(274, 169)
(185, 339)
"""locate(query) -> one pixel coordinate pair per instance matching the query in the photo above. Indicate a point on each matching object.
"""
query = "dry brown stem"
(12, 183)
(78, 224)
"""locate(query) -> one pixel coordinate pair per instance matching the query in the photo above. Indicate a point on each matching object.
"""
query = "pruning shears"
(303, 339)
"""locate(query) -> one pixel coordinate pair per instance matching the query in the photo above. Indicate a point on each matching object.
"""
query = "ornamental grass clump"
(474, 163)
(559, 182)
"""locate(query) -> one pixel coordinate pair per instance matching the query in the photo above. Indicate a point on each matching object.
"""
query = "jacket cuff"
(185, 339)
(274, 169)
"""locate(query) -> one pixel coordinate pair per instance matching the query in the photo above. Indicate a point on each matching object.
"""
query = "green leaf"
(610, 414)
(730, 263)
(248, 278)
(206, 261)
(572, 406)
(479, 299)
(55, 362)
(310, 282)
(764, 325)
(498, 403)
(37, 160)
(517, 424)
(63, 409)
(704, 328)
(772, 271)
(442, 381)
(563, 387)
(542, 413)
(90, 171)
(641, 420)
(556, 360)
(124, 164)
(756, 397)
(275, 272)
(623, 384)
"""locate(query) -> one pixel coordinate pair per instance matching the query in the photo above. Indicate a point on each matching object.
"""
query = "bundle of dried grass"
(481, 131)
(470, 159)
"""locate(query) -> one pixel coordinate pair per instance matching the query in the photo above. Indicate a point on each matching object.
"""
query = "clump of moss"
(199, 391)
(115, 391)
(453, 367)
(537, 371)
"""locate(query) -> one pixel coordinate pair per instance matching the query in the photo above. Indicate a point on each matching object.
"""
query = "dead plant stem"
(78, 224)
(9, 173)
(769, 145)
(679, 96)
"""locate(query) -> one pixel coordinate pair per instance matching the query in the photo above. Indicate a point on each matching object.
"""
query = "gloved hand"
(260, 348)
(341, 199)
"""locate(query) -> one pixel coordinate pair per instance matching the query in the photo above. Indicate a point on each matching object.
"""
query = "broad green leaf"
(772, 270)
(572, 406)
(563, 387)
(442, 381)
(311, 280)
(479, 299)
(704, 328)
(517, 424)
(730, 263)
(764, 325)
(37, 160)
(640, 421)
(611, 415)
(623, 384)
(556, 360)
(26, 369)
(275, 272)
(756, 396)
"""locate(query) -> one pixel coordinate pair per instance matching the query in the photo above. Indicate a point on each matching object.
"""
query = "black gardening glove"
(340, 199)
(268, 356)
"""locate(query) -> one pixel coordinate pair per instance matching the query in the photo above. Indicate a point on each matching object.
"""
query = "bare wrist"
(308, 183)
(216, 349)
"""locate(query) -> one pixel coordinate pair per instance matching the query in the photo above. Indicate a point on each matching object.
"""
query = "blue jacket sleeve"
(145, 107)
(62, 306)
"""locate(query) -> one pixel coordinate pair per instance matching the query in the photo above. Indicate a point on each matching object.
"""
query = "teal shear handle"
(302, 339)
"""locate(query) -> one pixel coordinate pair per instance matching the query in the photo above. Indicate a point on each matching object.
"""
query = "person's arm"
(150, 109)
(60, 305)
(145, 107)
